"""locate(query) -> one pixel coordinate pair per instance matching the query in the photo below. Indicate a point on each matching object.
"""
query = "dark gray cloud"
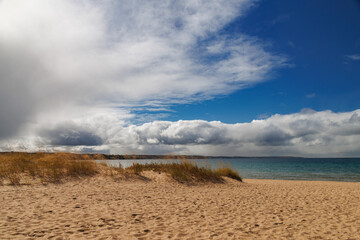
(304, 127)
(71, 135)
(273, 136)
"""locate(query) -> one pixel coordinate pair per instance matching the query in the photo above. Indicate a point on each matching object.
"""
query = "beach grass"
(186, 171)
(56, 167)
(46, 167)
(228, 172)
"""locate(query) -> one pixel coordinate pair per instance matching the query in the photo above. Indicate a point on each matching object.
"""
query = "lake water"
(324, 169)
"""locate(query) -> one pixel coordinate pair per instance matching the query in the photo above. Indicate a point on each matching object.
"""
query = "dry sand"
(101, 208)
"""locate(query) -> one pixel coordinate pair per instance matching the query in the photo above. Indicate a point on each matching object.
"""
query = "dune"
(157, 207)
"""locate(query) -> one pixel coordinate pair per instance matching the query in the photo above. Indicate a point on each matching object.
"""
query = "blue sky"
(316, 37)
(220, 77)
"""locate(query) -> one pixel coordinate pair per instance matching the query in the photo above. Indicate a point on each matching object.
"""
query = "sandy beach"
(160, 208)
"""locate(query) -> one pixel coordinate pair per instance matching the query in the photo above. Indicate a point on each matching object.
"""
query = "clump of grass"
(137, 168)
(14, 178)
(185, 172)
(114, 171)
(46, 167)
(81, 168)
(228, 172)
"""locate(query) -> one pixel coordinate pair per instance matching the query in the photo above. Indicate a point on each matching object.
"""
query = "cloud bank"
(307, 133)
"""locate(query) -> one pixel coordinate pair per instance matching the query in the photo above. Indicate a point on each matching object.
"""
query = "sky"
(221, 77)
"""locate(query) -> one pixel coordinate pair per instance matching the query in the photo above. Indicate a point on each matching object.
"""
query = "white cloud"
(312, 95)
(62, 59)
(354, 57)
(307, 133)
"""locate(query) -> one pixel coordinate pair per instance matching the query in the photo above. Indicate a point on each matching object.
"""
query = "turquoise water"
(320, 169)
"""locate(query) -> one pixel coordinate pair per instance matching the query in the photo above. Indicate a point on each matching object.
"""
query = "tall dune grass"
(47, 167)
(187, 171)
(54, 167)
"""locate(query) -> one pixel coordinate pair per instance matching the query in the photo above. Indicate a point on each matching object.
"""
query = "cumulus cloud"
(307, 133)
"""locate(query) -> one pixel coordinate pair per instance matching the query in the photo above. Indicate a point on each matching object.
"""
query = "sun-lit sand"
(160, 208)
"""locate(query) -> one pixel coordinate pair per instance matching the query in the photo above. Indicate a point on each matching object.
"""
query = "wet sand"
(159, 208)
